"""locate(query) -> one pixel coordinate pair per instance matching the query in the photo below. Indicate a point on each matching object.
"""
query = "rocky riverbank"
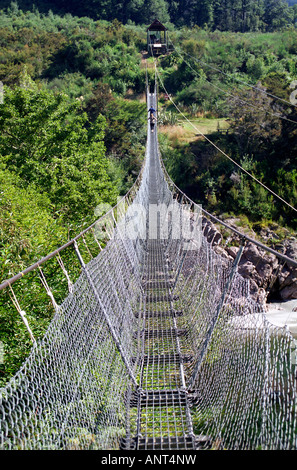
(283, 313)
(270, 279)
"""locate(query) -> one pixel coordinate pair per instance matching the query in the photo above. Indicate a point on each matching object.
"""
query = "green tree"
(203, 13)
(46, 139)
(277, 14)
(247, 15)
(157, 9)
(254, 125)
(28, 231)
(223, 15)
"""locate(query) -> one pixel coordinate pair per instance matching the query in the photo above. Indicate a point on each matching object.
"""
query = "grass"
(177, 133)
(205, 125)
(183, 131)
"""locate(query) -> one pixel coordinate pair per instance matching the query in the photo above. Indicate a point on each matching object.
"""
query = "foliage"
(27, 226)
(72, 134)
(28, 231)
(46, 141)
(238, 77)
(69, 141)
(224, 15)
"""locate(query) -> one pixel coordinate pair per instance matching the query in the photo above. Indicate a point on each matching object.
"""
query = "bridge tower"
(157, 38)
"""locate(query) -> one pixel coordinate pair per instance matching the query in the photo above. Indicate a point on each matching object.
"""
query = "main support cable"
(222, 151)
(240, 81)
(142, 323)
(230, 94)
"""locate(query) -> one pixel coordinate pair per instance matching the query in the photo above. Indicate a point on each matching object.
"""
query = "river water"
(281, 314)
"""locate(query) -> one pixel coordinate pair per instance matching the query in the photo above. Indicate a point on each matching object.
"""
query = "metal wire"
(159, 344)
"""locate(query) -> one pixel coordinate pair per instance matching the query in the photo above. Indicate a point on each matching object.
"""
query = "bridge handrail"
(71, 242)
(243, 236)
(13, 279)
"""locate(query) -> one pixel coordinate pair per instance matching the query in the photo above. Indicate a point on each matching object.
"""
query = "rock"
(262, 296)
(223, 253)
(232, 251)
(266, 272)
(291, 248)
(290, 292)
(282, 275)
(287, 277)
(252, 253)
(287, 281)
(254, 288)
(272, 260)
(267, 235)
(246, 269)
(210, 231)
(258, 294)
(217, 238)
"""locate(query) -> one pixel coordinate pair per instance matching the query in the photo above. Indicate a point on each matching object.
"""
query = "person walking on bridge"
(152, 112)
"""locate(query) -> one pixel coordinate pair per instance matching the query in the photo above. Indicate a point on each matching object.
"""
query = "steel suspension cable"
(240, 81)
(230, 94)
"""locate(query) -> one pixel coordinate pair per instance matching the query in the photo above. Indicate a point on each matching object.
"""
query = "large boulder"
(267, 273)
(287, 276)
(210, 231)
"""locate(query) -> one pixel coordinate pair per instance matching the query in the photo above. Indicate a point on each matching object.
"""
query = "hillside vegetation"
(246, 80)
(223, 15)
(73, 128)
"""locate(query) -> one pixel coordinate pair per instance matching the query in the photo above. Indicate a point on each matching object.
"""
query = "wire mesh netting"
(159, 345)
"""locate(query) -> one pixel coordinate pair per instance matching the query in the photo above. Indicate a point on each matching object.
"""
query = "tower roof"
(156, 26)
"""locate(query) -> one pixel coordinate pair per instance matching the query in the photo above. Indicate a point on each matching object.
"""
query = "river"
(281, 314)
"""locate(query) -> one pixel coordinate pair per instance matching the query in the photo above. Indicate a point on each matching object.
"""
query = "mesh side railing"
(68, 395)
(71, 391)
(159, 344)
(240, 370)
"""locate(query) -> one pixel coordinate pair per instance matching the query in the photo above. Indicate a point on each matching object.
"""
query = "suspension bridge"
(158, 345)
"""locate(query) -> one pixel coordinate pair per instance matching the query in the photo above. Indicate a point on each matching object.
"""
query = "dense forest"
(73, 122)
(224, 15)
